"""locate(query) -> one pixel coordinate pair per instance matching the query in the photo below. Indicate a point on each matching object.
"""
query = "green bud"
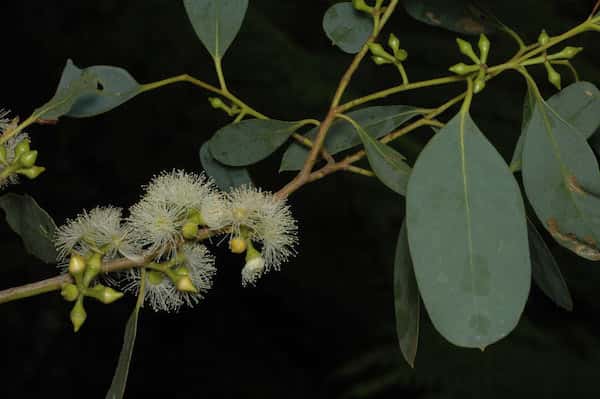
(567, 53)
(78, 315)
(94, 266)
(190, 230)
(463, 69)
(380, 60)
(184, 283)
(553, 76)
(478, 85)
(401, 55)
(155, 277)
(360, 5)
(22, 147)
(31, 173)
(394, 43)
(28, 158)
(216, 102)
(69, 292)
(466, 49)
(104, 294)
(543, 38)
(378, 51)
(3, 154)
(76, 264)
(195, 216)
(484, 48)
(182, 271)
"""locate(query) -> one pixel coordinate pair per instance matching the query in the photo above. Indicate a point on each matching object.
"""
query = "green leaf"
(249, 141)
(226, 177)
(377, 121)
(545, 270)
(32, 223)
(119, 382)
(460, 16)
(578, 104)
(347, 28)
(468, 236)
(387, 163)
(216, 22)
(407, 303)
(561, 179)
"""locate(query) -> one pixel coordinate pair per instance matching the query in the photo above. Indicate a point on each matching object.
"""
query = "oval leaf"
(458, 16)
(561, 179)
(216, 22)
(377, 121)
(250, 141)
(468, 236)
(119, 382)
(226, 177)
(407, 303)
(546, 273)
(387, 163)
(347, 28)
(32, 223)
(578, 104)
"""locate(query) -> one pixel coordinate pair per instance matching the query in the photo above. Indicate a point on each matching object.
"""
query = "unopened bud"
(184, 283)
(466, 48)
(216, 102)
(28, 158)
(553, 76)
(76, 264)
(543, 38)
(104, 294)
(393, 42)
(155, 277)
(478, 85)
(484, 48)
(31, 173)
(566, 53)
(22, 147)
(78, 315)
(463, 69)
(360, 5)
(70, 292)
(380, 60)
(182, 271)
(378, 50)
(237, 245)
(190, 230)
(94, 266)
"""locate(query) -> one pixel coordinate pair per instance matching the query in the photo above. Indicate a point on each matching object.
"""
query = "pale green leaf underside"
(216, 22)
(226, 177)
(35, 227)
(347, 28)
(250, 141)
(559, 173)
(387, 163)
(407, 303)
(545, 270)
(578, 104)
(377, 121)
(468, 236)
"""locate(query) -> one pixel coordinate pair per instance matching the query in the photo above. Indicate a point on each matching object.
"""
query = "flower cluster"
(14, 148)
(162, 237)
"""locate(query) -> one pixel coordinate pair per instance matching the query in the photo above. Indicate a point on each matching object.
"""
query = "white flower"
(252, 271)
(180, 189)
(99, 229)
(161, 292)
(6, 123)
(268, 222)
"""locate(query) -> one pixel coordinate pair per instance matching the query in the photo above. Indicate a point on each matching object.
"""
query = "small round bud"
(466, 49)
(190, 230)
(22, 147)
(31, 173)
(69, 292)
(78, 315)
(394, 43)
(484, 48)
(27, 159)
(76, 264)
(184, 283)
(553, 76)
(155, 277)
(543, 38)
(478, 85)
(463, 69)
(216, 102)
(237, 245)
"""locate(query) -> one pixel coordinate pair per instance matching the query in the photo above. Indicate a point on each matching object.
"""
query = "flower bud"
(78, 315)
(76, 264)
(70, 292)
(22, 147)
(31, 173)
(94, 266)
(463, 69)
(378, 51)
(104, 294)
(216, 102)
(360, 5)
(28, 158)
(394, 43)
(484, 48)
(182, 271)
(184, 283)
(237, 245)
(567, 53)
(466, 49)
(190, 230)
(543, 38)
(553, 76)
(155, 277)
(380, 60)
(478, 85)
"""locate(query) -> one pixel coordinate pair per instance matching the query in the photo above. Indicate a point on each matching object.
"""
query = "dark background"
(323, 327)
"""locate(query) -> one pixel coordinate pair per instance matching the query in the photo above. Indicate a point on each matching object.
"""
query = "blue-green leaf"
(347, 28)
(407, 303)
(460, 16)
(226, 177)
(387, 163)
(119, 382)
(35, 227)
(578, 104)
(377, 121)
(249, 141)
(562, 181)
(545, 270)
(216, 22)
(468, 236)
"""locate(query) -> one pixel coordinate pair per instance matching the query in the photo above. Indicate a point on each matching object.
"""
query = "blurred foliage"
(324, 326)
